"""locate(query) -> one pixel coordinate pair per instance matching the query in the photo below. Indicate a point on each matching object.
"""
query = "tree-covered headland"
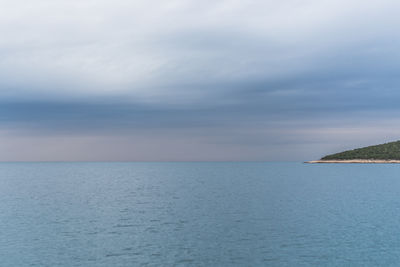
(388, 151)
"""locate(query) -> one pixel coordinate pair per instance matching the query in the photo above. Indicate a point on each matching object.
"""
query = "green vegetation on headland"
(388, 151)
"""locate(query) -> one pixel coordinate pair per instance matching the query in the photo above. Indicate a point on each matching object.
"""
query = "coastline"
(354, 161)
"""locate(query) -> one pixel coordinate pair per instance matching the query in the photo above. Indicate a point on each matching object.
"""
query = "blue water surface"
(199, 214)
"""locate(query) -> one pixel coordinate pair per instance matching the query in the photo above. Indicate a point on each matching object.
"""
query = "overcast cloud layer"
(196, 80)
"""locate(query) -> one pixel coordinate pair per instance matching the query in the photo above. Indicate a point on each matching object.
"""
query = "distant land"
(383, 153)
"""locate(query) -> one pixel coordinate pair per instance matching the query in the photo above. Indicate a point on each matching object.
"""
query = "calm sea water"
(199, 214)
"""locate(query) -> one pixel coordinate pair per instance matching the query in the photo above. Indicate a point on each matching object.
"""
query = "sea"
(199, 214)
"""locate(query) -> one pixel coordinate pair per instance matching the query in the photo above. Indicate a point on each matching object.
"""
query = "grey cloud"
(254, 76)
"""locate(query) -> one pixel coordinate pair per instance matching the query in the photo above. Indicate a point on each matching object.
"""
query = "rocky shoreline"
(354, 161)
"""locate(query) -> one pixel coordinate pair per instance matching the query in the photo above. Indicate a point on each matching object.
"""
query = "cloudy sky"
(196, 80)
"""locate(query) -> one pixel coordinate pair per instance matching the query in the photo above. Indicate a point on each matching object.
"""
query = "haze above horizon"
(196, 80)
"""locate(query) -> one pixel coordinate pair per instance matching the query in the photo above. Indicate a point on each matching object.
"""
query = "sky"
(221, 80)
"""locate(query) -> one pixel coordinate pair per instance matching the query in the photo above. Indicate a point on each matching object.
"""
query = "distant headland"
(383, 153)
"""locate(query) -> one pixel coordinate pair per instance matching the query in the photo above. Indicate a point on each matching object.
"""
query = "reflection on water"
(198, 214)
